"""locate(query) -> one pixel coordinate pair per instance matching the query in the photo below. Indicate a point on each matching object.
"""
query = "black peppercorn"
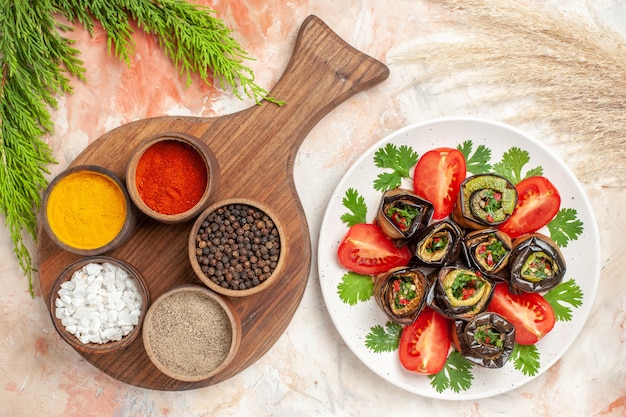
(238, 246)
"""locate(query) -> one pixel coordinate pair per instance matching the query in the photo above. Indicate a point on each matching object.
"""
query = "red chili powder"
(171, 177)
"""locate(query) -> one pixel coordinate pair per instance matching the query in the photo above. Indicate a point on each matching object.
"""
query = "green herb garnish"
(455, 375)
(384, 339)
(355, 287)
(513, 162)
(565, 227)
(477, 163)
(399, 159)
(438, 243)
(402, 215)
(36, 62)
(405, 293)
(495, 249)
(463, 282)
(526, 359)
(567, 292)
(354, 202)
(487, 336)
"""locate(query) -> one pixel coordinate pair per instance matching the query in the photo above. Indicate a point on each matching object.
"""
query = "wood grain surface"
(255, 149)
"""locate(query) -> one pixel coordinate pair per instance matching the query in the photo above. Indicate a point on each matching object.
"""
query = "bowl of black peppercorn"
(235, 247)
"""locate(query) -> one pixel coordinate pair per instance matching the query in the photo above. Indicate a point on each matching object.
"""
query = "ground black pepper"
(238, 246)
(190, 334)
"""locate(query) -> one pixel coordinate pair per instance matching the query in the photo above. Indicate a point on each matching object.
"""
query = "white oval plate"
(354, 322)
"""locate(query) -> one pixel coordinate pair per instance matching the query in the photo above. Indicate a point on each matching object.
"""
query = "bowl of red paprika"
(171, 177)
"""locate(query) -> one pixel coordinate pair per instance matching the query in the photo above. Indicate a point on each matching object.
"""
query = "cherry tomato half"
(424, 345)
(530, 313)
(366, 250)
(437, 178)
(538, 201)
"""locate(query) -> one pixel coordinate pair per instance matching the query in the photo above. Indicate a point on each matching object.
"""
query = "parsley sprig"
(565, 227)
(399, 159)
(478, 162)
(355, 287)
(455, 375)
(384, 339)
(354, 202)
(513, 161)
(525, 358)
(567, 292)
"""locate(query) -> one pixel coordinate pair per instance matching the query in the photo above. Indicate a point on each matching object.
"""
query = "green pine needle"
(37, 62)
(191, 35)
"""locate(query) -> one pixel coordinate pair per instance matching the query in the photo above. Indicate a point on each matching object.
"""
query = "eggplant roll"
(536, 264)
(401, 293)
(459, 292)
(485, 200)
(402, 214)
(437, 245)
(486, 340)
(488, 250)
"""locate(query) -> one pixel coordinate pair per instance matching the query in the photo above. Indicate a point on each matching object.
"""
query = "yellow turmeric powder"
(86, 210)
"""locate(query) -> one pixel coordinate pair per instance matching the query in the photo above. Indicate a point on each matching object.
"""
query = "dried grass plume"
(572, 70)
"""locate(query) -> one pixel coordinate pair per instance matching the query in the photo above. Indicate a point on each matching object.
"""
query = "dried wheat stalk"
(572, 70)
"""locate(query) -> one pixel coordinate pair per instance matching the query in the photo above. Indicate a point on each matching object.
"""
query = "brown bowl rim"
(226, 306)
(276, 274)
(129, 221)
(213, 176)
(109, 347)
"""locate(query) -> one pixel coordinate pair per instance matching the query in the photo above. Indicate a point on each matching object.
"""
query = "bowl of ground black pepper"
(235, 247)
(190, 333)
(172, 177)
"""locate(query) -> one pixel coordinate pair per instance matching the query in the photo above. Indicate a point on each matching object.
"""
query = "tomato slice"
(538, 201)
(424, 345)
(366, 250)
(530, 313)
(437, 178)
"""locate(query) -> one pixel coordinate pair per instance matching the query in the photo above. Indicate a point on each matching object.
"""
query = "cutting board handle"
(323, 71)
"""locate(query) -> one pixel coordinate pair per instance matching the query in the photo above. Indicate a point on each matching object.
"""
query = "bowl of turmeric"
(171, 177)
(86, 210)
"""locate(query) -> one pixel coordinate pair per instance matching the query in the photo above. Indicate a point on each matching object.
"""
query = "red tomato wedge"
(437, 178)
(366, 250)
(530, 313)
(538, 201)
(424, 345)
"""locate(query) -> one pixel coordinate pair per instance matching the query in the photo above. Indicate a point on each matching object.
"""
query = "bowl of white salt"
(98, 304)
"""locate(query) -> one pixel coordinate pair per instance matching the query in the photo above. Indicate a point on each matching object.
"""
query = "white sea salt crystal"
(99, 304)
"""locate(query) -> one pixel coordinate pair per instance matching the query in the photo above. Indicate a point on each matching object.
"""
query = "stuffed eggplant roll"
(488, 250)
(401, 293)
(402, 214)
(487, 339)
(459, 292)
(437, 245)
(485, 200)
(536, 264)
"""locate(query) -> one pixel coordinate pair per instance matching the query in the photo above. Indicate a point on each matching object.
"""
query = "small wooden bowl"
(71, 243)
(229, 291)
(212, 171)
(190, 333)
(107, 347)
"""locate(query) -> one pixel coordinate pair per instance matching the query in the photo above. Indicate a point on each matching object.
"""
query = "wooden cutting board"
(255, 149)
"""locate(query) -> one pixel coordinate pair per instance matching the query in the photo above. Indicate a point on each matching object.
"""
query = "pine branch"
(191, 35)
(36, 64)
(33, 62)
